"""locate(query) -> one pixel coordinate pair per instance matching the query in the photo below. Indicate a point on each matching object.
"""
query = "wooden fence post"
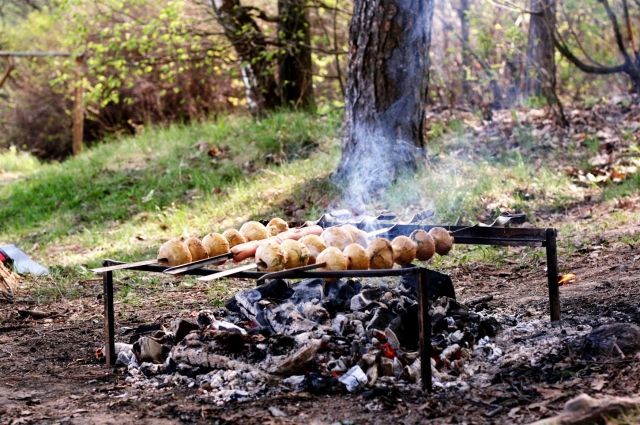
(78, 106)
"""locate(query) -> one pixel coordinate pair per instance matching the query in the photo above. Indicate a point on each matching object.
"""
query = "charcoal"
(138, 331)
(392, 338)
(285, 318)
(439, 285)
(297, 360)
(372, 375)
(386, 366)
(273, 338)
(411, 372)
(405, 326)
(295, 382)
(276, 290)
(232, 305)
(488, 326)
(381, 319)
(307, 290)
(614, 339)
(338, 324)
(316, 383)
(150, 349)
(314, 312)
(337, 295)
(359, 302)
(374, 293)
(181, 327)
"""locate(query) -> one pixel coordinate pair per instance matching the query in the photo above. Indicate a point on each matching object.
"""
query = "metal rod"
(228, 272)
(400, 271)
(109, 317)
(198, 264)
(290, 272)
(116, 265)
(424, 321)
(552, 275)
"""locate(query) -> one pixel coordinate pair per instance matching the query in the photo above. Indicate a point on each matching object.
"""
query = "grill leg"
(552, 275)
(424, 321)
(109, 318)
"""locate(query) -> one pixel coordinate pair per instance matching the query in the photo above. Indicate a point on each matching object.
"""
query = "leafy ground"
(123, 197)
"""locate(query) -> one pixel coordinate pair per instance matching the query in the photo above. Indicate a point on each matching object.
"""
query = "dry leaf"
(566, 279)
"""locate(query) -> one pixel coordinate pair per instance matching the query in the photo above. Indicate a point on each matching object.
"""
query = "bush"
(37, 118)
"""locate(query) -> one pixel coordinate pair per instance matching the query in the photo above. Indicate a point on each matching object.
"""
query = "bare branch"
(616, 29)
(591, 69)
(7, 72)
(577, 39)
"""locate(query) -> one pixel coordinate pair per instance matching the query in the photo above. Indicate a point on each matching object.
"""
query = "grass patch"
(13, 161)
(628, 187)
(121, 199)
(465, 192)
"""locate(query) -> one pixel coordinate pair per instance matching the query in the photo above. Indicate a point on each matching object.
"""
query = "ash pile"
(314, 336)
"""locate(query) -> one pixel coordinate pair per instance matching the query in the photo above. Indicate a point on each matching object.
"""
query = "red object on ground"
(387, 350)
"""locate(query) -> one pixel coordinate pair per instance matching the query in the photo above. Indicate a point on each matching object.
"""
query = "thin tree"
(294, 63)
(289, 55)
(386, 90)
(540, 70)
(463, 15)
(250, 45)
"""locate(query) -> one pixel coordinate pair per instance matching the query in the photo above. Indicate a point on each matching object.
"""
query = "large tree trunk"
(541, 65)
(294, 64)
(386, 90)
(251, 47)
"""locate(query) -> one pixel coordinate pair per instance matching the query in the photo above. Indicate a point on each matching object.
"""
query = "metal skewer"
(198, 264)
(125, 266)
(228, 272)
(288, 272)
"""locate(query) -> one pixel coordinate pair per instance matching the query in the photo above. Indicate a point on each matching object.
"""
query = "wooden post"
(78, 106)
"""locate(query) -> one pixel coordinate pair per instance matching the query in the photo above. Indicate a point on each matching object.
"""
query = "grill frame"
(497, 236)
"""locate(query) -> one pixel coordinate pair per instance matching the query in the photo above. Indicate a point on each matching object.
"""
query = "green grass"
(121, 199)
(628, 187)
(13, 161)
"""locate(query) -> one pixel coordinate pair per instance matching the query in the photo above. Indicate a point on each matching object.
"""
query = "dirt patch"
(48, 370)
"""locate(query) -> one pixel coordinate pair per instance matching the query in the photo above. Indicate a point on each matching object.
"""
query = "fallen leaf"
(566, 279)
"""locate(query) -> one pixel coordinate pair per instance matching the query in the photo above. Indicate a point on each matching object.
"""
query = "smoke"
(372, 168)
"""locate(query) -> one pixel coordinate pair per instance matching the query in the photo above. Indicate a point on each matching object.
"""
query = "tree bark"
(541, 65)
(294, 61)
(386, 90)
(463, 12)
(540, 79)
(251, 47)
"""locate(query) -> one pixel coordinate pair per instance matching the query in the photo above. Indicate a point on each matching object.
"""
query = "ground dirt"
(49, 374)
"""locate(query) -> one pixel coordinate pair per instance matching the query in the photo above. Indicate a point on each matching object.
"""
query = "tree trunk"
(294, 62)
(541, 65)
(386, 90)
(251, 47)
(463, 12)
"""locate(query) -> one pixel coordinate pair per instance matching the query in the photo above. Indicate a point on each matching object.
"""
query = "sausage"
(248, 249)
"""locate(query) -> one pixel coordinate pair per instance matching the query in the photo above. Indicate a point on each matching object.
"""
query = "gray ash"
(347, 335)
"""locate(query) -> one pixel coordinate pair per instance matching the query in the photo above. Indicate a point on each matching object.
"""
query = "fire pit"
(504, 236)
